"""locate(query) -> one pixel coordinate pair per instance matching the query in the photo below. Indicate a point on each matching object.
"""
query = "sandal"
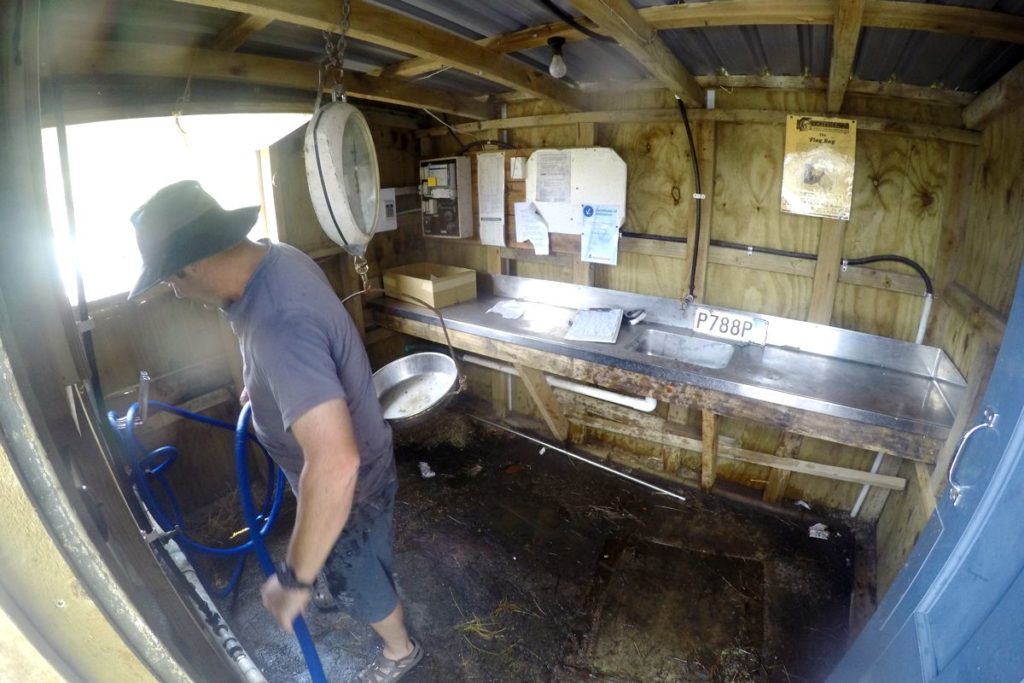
(384, 670)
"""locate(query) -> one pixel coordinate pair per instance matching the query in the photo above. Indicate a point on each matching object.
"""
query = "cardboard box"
(438, 285)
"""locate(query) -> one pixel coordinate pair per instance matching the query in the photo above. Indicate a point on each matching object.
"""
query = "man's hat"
(182, 224)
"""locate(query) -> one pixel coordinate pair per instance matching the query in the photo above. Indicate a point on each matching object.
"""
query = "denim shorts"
(359, 570)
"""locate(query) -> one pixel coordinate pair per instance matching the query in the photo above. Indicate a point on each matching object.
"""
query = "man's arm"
(326, 488)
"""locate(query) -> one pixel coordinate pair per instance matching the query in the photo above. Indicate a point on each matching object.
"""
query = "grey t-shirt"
(300, 348)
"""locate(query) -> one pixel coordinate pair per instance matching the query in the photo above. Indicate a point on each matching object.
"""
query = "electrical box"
(446, 192)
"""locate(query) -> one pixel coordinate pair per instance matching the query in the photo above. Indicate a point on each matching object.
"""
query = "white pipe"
(642, 404)
(598, 465)
(926, 311)
(865, 488)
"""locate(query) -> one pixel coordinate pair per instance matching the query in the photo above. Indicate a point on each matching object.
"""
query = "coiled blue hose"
(316, 670)
(152, 465)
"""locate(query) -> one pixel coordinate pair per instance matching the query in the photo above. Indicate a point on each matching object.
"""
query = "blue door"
(956, 611)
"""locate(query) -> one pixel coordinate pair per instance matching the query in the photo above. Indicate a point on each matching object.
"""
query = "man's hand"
(284, 603)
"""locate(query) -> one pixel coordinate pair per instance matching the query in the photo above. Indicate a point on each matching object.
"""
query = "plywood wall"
(904, 187)
(967, 325)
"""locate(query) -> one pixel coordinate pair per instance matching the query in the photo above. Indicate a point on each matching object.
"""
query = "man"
(313, 404)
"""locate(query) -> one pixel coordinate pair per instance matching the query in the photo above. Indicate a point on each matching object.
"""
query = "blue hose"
(316, 670)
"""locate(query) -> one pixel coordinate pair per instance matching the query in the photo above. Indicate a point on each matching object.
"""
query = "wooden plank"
(826, 271)
(540, 391)
(980, 316)
(385, 27)
(963, 21)
(585, 134)
(775, 489)
(1005, 94)
(877, 497)
(238, 30)
(845, 33)
(709, 449)
(860, 435)
(651, 428)
(954, 219)
(745, 116)
(622, 21)
(83, 58)
(582, 273)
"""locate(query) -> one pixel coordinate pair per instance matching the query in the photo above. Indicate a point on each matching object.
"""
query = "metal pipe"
(879, 456)
(926, 311)
(598, 465)
(643, 404)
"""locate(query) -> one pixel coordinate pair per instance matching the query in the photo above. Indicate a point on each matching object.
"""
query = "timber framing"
(384, 27)
(1004, 95)
(670, 115)
(836, 430)
(238, 30)
(623, 22)
(845, 35)
(79, 58)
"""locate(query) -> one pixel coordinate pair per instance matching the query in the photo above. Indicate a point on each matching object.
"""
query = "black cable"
(764, 250)
(696, 195)
(571, 20)
(898, 259)
(649, 236)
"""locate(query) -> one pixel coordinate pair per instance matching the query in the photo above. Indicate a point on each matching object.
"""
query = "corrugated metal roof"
(918, 58)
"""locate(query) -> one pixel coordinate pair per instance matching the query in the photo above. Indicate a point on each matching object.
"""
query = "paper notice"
(553, 175)
(600, 241)
(530, 227)
(818, 167)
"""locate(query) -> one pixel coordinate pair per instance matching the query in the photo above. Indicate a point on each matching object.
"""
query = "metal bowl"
(412, 388)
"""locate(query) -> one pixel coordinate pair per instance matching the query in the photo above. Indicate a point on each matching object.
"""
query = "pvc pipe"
(865, 488)
(926, 311)
(642, 404)
(598, 465)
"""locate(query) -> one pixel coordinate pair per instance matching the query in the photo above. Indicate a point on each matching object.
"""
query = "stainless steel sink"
(684, 348)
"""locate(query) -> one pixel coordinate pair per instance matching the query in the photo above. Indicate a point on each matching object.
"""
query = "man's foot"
(384, 670)
(323, 600)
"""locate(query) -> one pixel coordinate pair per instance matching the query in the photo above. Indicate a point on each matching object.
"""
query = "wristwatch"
(286, 577)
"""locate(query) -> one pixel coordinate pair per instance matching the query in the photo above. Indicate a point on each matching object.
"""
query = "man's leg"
(391, 630)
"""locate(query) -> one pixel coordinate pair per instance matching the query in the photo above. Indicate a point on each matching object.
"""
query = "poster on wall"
(817, 170)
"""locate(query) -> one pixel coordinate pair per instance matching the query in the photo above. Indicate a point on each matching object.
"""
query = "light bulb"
(557, 67)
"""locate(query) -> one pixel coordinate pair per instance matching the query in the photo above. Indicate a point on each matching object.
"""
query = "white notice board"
(559, 182)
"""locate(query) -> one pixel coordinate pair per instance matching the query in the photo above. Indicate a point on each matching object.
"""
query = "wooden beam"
(78, 58)
(826, 271)
(709, 449)
(999, 26)
(385, 27)
(658, 430)
(1005, 94)
(238, 30)
(877, 497)
(540, 391)
(778, 479)
(622, 21)
(980, 316)
(671, 115)
(845, 33)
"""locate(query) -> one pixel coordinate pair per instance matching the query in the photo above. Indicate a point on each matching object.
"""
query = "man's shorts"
(359, 566)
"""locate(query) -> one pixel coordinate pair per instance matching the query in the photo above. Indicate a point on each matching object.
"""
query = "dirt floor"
(518, 565)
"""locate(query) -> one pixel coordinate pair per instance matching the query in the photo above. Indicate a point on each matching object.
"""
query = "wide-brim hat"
(182, 224)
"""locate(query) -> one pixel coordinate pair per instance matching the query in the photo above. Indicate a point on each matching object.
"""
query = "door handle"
(955, 489)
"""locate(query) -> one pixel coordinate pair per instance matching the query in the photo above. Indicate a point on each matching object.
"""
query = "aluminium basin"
(684, 348)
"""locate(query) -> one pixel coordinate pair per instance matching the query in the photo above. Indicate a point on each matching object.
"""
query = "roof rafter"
(83, 58)
(387, 28)
(620, 20)
(1001, 96)
(845, 34)
(986, 24)
(239, 29)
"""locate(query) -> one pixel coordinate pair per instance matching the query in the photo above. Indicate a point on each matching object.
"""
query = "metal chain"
(334, 61)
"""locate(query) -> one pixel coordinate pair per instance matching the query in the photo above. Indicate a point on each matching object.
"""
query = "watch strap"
(286, 577)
